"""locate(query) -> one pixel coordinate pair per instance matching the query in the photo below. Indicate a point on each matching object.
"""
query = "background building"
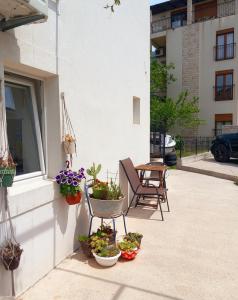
(200, 37)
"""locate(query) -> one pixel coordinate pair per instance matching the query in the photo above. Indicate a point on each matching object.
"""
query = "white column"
(190, 12)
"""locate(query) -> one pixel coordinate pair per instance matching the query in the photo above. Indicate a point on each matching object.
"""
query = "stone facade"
(190, 59)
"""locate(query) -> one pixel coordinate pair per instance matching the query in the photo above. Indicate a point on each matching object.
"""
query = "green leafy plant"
(94, 171)
(105, 191)
(98, 244)
(109, 251)
(127, 245)
(133, 237)
(83, 238)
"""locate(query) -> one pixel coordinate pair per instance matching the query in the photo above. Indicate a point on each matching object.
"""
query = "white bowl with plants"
(107, 257)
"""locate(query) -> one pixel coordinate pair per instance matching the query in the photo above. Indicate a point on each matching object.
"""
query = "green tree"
(167, 113)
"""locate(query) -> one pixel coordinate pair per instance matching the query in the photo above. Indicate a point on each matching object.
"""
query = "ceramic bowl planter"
(107, 261)
(129, 254)
(107, 208)
(74, 199)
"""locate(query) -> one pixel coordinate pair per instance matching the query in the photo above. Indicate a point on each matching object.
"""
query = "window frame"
(11, 80)
(224, 33)
(224, 74)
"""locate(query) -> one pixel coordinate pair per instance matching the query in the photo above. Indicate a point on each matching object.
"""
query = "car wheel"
(221, 153)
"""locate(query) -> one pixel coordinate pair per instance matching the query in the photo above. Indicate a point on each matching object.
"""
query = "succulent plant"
(94, 171)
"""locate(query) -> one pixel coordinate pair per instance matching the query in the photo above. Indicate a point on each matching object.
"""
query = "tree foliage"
(167, 113)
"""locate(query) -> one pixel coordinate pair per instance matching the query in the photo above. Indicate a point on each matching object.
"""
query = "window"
(179, 19)
(224, 85)
(23, 127)
(136, 110)
(222, 120)
(225, 44)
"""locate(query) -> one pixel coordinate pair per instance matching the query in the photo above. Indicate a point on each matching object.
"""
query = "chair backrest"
(131, 173)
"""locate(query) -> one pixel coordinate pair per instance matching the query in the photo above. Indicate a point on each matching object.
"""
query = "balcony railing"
(224, 92)
(223, 9)
(223, 52)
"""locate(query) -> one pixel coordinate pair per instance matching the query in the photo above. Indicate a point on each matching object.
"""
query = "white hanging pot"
(69, 147)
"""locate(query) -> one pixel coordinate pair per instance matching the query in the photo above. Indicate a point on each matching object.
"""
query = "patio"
(192, 255)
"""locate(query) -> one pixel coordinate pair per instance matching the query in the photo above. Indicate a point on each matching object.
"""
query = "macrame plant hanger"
(69, 137)
(7, 235)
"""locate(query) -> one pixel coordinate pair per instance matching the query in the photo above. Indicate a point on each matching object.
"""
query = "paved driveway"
(192, 255)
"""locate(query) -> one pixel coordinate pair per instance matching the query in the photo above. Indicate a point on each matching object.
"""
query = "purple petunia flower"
(82, 170)
(75, 183)
(63, 180)
(58, 177)
(69, 181)
(70, 174)
(65, 173)
(61, 172)
(58, 181)
(79, 177)
(75, 173)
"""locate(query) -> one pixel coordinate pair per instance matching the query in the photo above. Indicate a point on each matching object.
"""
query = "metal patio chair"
(141, 190)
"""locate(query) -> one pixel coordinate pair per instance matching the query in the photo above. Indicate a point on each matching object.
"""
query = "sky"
(152, 2)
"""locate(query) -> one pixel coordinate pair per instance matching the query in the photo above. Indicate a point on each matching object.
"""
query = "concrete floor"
(192, 255)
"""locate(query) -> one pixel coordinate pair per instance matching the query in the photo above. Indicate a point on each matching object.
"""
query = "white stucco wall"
(100, 61)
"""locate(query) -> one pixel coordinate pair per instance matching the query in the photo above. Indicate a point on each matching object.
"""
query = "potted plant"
(106, 230)
(128, 249)
(85, 245)
(134, 237)
(106, 198)
(69, 144)
(7, 171)
(69, 182)
(106, 255)
(10, 255)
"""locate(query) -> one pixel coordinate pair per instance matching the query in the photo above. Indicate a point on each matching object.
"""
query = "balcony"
(14, 13)
(224, 52)
(223, 93)
(201, 12)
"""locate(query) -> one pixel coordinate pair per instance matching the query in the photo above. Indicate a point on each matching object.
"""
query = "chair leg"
(137, 200)
(114, 229)
(90, 226)
(124, 221)
(130, 204)
(159, 204)
(167, 201)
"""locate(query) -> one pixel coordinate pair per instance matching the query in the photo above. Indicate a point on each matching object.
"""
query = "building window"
(224, 85)
(136, 110)
(23, 127)
(225, 47)
(220, 121)
(179, 19)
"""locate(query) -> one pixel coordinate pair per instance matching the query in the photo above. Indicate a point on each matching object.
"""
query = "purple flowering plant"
(69, 181)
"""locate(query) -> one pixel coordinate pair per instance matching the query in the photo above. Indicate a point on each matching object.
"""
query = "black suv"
(225, 146)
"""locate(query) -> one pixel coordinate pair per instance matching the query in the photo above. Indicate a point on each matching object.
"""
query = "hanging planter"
(7, 171)
(69, 182)
(74, 199)
(69, 144)
(10, 255)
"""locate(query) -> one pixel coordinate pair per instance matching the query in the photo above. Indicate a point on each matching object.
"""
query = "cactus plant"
(94, 171)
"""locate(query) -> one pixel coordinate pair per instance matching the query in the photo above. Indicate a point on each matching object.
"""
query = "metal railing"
(224, 92)
(223, 52)
(225, 8)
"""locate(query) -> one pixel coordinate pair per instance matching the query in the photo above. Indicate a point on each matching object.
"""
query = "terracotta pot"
(71, 200)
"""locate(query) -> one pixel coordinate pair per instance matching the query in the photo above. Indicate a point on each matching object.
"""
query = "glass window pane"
(21, 129)
(230, 38)
(220, 40)
(229, 79)
(219, 80)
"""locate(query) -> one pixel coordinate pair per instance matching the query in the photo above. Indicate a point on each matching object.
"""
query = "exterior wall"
(89, 54)
(208, 67)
